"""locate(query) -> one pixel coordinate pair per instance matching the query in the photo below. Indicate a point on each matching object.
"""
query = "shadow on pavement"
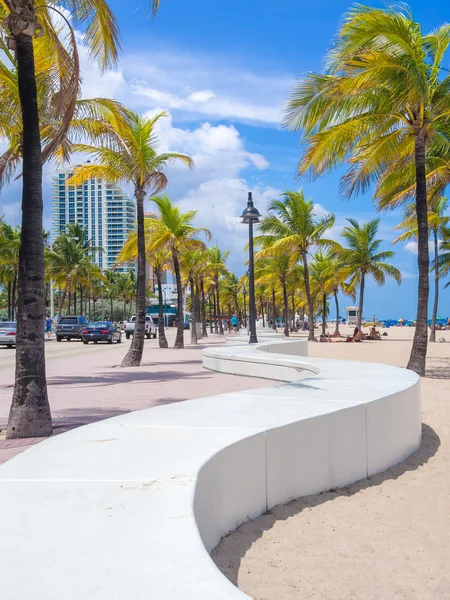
(119, 377)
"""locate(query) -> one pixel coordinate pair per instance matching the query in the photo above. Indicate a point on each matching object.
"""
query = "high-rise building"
(108, 214)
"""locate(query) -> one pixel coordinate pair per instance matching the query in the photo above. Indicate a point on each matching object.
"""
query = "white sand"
(384, 538)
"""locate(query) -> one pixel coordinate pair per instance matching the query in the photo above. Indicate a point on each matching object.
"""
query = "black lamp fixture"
(250, 216)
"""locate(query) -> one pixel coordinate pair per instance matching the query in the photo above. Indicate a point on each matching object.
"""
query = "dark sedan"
(101, 331)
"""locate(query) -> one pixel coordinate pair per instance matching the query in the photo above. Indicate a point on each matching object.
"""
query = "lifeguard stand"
(352, 315)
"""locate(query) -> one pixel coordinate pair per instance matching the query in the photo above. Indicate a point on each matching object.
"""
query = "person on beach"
(374, 334)
(234, 323)
(357, 336)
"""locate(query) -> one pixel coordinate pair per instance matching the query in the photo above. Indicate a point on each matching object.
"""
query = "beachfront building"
(107, 212)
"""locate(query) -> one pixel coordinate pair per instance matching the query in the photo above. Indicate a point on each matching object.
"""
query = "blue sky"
(223, 71)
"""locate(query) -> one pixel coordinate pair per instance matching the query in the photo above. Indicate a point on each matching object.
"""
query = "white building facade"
(108, 214)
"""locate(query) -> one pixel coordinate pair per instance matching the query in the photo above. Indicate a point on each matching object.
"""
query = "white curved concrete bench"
(129, 508)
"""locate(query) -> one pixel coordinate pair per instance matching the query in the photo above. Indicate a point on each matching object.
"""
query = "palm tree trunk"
(311, 337)
(134, 355)
(202, 289)
(286, 310)
(216, 324)
(30, 415)
(193, 313)
(161, 333)
(274, 324)
(361, 299)
(61, 301)
(179, 340)
(324, 314)
(210, 317)
(70, 302)
(294, 327)
(419, 348)
(336, 300)
(219, 316)
(124, 309)
(9, 301)
(436, 286)
(13, 298)
(261, 305)
(81, 299)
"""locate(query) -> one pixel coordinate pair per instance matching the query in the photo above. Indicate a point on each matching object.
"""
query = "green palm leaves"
(293, 228)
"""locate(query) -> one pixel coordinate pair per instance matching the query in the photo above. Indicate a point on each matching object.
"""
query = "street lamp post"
(250, 216)
(244, 291)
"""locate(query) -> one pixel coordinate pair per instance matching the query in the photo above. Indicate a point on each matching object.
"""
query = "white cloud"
(201, 96)
(412, 247)
(193, 85)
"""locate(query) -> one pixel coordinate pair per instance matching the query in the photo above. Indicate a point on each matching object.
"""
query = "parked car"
(8, 333)
(101, 331)
(71, 328)
(150, 328)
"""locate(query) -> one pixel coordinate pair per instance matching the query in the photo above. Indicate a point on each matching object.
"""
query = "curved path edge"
(130, 507)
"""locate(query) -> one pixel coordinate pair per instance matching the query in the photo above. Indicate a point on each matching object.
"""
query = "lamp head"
(250, 213)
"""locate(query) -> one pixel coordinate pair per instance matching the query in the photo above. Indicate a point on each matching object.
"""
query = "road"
(86, 383)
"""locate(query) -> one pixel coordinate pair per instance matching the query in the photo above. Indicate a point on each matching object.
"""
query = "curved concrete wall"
(131, 506)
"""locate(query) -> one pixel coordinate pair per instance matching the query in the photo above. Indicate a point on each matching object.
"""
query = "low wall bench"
(131, 507)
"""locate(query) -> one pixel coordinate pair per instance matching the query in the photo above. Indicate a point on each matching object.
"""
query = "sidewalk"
(89, 385)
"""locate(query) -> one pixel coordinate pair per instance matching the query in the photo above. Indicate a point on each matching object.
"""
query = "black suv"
(70, 328)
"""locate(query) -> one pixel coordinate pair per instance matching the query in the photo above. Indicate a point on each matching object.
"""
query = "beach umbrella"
(401, 320)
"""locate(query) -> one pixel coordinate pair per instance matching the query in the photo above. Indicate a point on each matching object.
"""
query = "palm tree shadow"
(232, 549)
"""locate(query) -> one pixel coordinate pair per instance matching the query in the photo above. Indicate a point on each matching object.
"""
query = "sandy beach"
(383, 538)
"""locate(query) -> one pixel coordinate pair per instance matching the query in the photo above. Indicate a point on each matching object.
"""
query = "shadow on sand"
(253, 531)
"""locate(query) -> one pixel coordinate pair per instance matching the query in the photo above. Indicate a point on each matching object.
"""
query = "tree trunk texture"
(286, 310)
(193, 313)
(210, 317)
(436, 286)
(204, 328)
(294, 326)
(324, 314)
(336, 300)
(419, 349)
(134, 355)
(216, 324)
(30, 415)
(274, 324)
(311, 337)
(219, 316)
(361, 299)
(179, 340)
(161, 333)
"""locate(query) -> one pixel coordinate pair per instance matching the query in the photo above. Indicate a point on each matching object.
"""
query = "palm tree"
(274, 271)
(126, 150)
(217, 265)
(9, 262)
(379, 105)
(20, 21)
(68, 266)
(293, 228)
(322, 283)
(438, 223)
(191, 267)
(363, 258)
(173, 231)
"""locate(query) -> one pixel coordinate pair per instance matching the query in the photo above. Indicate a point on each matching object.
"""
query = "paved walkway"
(86, 383)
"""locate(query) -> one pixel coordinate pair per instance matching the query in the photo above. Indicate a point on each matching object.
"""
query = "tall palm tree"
(322, 282)
(20, 21)
(125, 146)
(9, 262)
(217, 265)
(292, 227)
(438, 222)
(191, 267)
(380, 103)
(363, 258)
(274, 271)
(173, 231)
